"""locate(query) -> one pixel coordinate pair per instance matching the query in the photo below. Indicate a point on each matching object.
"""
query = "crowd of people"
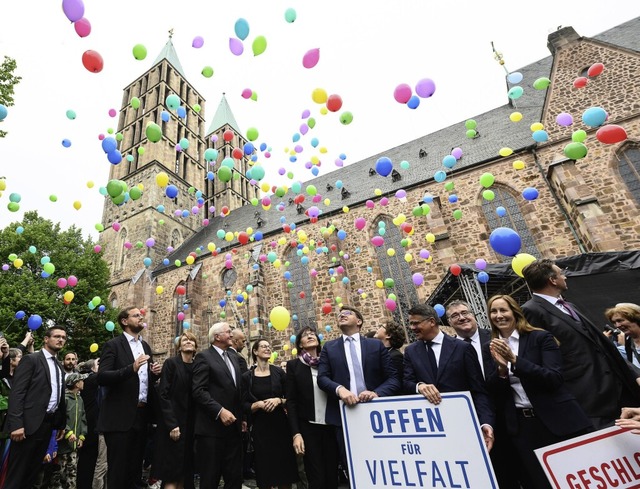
(542, 373)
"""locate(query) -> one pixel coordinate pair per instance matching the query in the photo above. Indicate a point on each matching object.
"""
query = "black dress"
(173, 460)
(275, 461)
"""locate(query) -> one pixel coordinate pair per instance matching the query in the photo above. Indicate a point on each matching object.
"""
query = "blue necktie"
(357, 368)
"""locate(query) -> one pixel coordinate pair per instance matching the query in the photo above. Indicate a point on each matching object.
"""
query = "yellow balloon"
(277, 263)
(430, 237)
(408, 257)
(285, 347)
(520, 261)
(345, 209)
(294, 352)
(518, 165)
(377, 192)
(93, 348)
(211, 247)
(18, 263)
(323, 150)
(90, 184)
(319, 95)
(77, 205)
(324, 111)
(280, 317)
(264, 186)
(190, 259)
(391, 252)
(363, 295)
(379, 284)
(515, 117)
(327, 202)
(68, 295)
(162, 179)
(505, 152)
(536, 126)
(249, 230)
(3, 185)
(159, 289)
(315, 160)
(229, 236)
(282, 241)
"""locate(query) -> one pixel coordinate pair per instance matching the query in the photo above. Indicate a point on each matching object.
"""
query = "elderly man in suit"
(36, 408)
(463, 320)
(217, 395)
(127, 372)
(436, 363)
(594, 372)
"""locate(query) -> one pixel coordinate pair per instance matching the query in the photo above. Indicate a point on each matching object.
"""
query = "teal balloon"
(290, 15)
(540, 136)
(241, 29)
(515, 93)
(594, 116)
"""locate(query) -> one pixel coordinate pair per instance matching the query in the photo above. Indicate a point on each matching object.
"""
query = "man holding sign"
(437, 363)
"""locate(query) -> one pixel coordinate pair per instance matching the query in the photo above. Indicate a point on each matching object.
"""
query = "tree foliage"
(25, 289)
(7, 83)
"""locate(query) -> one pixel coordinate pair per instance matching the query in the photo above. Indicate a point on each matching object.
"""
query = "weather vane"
(499, 57)
(170, 33)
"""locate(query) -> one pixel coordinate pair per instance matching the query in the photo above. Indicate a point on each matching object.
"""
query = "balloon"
(162, 179)
(252, 134)
(109, 326)
(319, 96)
(384, 166)
(611, 134)
(259, 45)
(425, 88)
(402, 93)
(540, 136)
(483, 277)
(311, 58)
(334, 103)
(455, 269)
(346, 118)
(73, 9)
(153, 132)
(418, 279)
(541, 83)
(235, 46)
(93, 348)
(66, 143)
(241, 28)
(197, 42)
(579, 136)
(20, 314)
(207, 72)
(139, 52)
(594, 116)
(501, 211)
(171, 191)
(530, 193)
(290, 15)
(486, 180)
(563, 119)
(515, 93)
(504, 152)
(575, 151)
(595, 69)
(505, 241)
(280, 318)
(82, 27)
(515, 117)
(72, 281)
(92, 61)
(580, 82)
(520, 261)
(470, 124)
(4, 112)
(515, 77)
(413, 102)
(34, 322)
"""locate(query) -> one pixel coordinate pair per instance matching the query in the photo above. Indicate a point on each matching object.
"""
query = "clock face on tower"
(229, 278)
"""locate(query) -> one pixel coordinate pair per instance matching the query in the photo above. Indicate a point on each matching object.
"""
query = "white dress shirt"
(135, 343)
(519, 395)
(55, 373)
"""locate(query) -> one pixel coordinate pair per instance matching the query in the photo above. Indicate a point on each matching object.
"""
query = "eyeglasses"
(265, 347)
(346, 313)
(457, 315)
(415, 323)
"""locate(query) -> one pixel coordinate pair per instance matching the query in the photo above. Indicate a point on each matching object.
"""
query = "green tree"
(7, 82)
(25, 249)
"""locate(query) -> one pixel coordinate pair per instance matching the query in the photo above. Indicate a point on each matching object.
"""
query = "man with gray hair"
(217, 396)
(463, 320)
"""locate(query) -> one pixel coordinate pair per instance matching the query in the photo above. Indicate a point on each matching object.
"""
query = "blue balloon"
(296, 137)
(109, 144)
(338, 184)
(449, 161)
(453, 198)
(315, 170)
(263, 146)
(304, 260)
(594, 116)
(20, 314)
(241, 29)
(147, 262)
(34, 322)
(171, 191)
(166, 261)
(160, 208)
(439, 308)
(505, 241)
(3, 112)
(342, 234)
(164, 115)
(249, 148)
(515, 77)
(540, 136)
(114, 157)
(530, 193)
(384, 166)
(483, 277)
(257, 236)
(501, 211)
(440, 176)
(66, 143)
(182, 112)
(413, 102)
(102, 308)
(287, 275)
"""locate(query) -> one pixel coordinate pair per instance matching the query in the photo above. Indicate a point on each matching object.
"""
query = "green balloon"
(487, 179)
(488, 195)
(425, 209)
(311, 122)
(254, 201)
(575, 151)
(579, 136)
(53, 198)
(312, 190)
(135, 102)
(470, 124)
(252, 134)
(135, 193)
(119, 199)
(290, 15)
(471, 133)
(224, 174)
(280, 192)
(449, 186)
(389, 283)
(197, 108)
(139, 52)
(346, 118)
(207, 71)
(254, 96)
(416, 211)
(49, 268)
(541, 83)
(114, 188)
(259, 45)
(457, 214)
(153, 132)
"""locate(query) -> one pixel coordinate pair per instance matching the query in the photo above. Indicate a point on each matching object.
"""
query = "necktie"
(467, 340)
(568, 308)
(432, 358)
(357, 368)
(225, 355)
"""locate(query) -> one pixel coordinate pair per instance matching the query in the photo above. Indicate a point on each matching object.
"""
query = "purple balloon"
(425, 88)
(418, 279)
(563, 119)
(235, 46)
(306, 113)
(198, 42)
(304, 129)
(456, 153)
(73, 9)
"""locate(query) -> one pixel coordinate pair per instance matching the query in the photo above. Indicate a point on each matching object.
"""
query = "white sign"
(405, 441)
(608, 458)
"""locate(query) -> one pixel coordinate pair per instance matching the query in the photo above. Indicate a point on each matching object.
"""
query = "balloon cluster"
(403, 94)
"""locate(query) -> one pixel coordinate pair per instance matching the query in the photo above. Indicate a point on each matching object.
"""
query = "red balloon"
(227, 135)
(455, 269)
(237, 153)
(326, 308)
(92, 61)
(595, 69)
(302, 295)
(334, 103)
(243, 238)
(580, 82)
(286, 228)
(611, 134)
(181, 290)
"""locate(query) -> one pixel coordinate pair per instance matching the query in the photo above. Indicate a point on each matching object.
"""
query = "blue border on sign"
(472, 412)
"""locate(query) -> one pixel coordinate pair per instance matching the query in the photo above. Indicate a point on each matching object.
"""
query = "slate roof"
(495, 129)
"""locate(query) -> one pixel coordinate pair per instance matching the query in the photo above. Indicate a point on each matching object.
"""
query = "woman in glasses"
(264, 400)
(307, 403)
(527, 383)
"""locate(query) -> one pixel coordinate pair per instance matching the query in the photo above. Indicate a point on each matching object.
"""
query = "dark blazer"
(539, 368)
(213, 389)
(458, 370)
(277, 376)
(333, 371)
(593, 369)
(30, 394)
(300, 394)
(485, 339)
(120, 398)
(174, 394)
(241, 361)
(397, 360)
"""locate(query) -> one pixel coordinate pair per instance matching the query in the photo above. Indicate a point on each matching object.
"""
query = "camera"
(614, 331)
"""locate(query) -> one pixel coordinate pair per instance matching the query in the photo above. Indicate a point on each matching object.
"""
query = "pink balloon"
(384, 201)
(402, 93)
(370, 204)
(181, 316)
(97, 249)
(112, 112)
(311, 58)
(82, 27)
(235, 46)
(390, 304)
(377, 241)
(247, 92)
(197, 42)
(425, 88)
(73, 9)
(62, 282)
(360, 223)
(72, 281)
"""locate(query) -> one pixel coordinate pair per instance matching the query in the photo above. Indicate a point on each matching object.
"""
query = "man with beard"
(70, 362)
(127, 372)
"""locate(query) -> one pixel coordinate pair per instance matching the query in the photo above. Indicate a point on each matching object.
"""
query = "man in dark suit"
(218, 399)
(128, 373)
(594, 372)
(238, 343)
(354, 369)
(437, 363)
(36, 408)
(463, 320)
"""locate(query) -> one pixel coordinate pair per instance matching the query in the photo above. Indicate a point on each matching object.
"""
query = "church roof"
(169, 53)
(223, 116)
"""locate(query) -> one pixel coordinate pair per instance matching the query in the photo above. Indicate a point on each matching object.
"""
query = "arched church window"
(176, 238)
(512, 218)
(301, 294)
(629, 168)
(229, 278)
(122, 251)
(396, 268)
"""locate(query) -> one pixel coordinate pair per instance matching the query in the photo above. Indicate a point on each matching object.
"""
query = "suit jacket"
(397, 360)
(122, 385)
(241, 361)
(458, 370)
(333, 371)
(174, 394)
(213, 389)
(301, 399)
(30, 394)
(594, 371)
(539, 368)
